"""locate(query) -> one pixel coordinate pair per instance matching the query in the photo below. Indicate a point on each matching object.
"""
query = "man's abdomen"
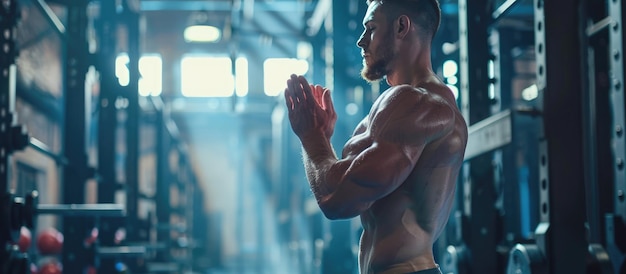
(394, 244)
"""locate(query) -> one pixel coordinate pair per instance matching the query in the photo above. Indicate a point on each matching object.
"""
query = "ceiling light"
(202, 34)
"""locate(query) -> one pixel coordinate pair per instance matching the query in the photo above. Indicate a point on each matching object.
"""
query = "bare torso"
(399, 229)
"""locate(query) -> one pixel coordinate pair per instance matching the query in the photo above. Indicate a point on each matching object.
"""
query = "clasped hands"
(310, 108)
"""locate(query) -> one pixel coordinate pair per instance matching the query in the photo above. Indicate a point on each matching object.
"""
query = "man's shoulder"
(404, 90)
(403, 95)
(422, 98)
(410, 110)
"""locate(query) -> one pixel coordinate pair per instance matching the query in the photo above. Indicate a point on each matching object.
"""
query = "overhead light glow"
(530, 93)
(206, 76)
(278, 70)
(352, 109)
(241, 76)
(455, 91)
(151, 71)
(450, 68)
(121, 69)
(202, 34)
(452, 80)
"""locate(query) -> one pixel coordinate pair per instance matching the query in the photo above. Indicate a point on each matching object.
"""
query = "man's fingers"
(299, 91)
(316, 94)
(296, 88)
(313, 91)
(288, 99)
(306, 88)
(303, 80)
(328, 101)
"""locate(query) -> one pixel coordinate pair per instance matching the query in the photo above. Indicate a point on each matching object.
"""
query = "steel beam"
(131, 20)
(478, 197)
(489, 134)
(163, 176)
(616, 222)
(558, 31)
(51, 17)
(616, 49)
(321, 12)
(599, 26)
(45, 150)
(226, 6)
(598, 121)
(75, 173)
(503, 9)
(82, 210)
(107, 125)
(8, 23)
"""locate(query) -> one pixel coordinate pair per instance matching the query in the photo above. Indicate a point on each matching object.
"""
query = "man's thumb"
(328, 101)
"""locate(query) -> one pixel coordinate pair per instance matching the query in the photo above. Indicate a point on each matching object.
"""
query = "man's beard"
(379, 67)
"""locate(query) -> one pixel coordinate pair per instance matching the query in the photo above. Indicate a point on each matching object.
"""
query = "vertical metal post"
(544, 179)
(244, 265)
(108, 184)
(532, 257)
(503, 41)
(190, 189)
(616, 223)
(107, 114)
(183, 186)
(8, 22)
(590, 127)
(478, 192)
(199, 230)
(599, 128)
(131, 93)
(74, 258)
(559, 72)
(162, 199)
(617, 90)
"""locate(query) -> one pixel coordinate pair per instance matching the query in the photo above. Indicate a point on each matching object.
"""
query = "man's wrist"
(314, 136)
(316, 145)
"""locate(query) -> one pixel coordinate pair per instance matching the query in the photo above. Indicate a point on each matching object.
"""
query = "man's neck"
(412, 69)
(414, 77)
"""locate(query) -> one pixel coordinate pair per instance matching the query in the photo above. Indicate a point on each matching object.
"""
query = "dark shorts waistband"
(435, 270)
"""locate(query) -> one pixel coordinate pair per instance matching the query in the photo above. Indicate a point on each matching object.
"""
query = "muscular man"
(398, 170)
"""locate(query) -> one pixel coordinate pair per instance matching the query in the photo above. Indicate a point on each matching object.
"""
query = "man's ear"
(403, 26)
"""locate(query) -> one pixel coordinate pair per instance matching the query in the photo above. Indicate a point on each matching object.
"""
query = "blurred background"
(150, 136)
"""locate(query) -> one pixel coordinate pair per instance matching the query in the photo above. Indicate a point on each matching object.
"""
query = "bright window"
(206, 76)
(121, 69)
(241, 76)
(150, 71)
(276, 72)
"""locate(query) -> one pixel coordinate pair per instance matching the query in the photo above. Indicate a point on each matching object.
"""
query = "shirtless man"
(399, 169)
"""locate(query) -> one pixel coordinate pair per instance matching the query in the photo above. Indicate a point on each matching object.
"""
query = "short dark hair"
(426, 13)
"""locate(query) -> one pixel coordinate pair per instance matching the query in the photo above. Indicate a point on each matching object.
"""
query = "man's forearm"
(318, 158)
(326, 174)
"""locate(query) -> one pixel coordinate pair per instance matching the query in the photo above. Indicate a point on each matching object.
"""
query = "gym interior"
(151, 136)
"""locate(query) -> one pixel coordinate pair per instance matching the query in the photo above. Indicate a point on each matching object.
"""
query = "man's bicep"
(368, 176)
(382, 168)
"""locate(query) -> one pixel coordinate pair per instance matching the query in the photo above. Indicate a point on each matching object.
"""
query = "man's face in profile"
(379, 44)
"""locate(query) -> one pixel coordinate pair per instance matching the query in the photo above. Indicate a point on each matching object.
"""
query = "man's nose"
(361, 42)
